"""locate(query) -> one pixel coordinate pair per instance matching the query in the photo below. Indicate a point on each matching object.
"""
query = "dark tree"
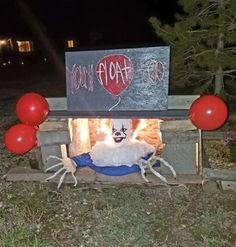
(203, 44)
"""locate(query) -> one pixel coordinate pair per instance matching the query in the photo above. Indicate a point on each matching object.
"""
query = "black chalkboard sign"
(118, 80)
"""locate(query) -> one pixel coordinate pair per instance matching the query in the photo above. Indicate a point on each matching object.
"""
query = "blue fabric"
(84, 160)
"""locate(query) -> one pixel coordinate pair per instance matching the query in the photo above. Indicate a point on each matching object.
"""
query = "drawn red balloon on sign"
(115, 73)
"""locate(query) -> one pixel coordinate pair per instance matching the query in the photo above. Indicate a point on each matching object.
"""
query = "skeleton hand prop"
(68, 166)
(144, 164)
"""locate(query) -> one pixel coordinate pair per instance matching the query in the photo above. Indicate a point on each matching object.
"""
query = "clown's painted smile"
(118, 139)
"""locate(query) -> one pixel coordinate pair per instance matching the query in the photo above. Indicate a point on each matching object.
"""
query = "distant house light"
(6, 44)
(3, 42)
(25, 46)
(70, 43)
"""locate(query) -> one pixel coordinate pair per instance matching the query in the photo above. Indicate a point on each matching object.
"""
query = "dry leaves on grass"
(218, 154)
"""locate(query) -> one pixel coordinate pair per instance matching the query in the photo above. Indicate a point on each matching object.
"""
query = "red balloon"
(32, 109)
(208, 112)
(20, 138)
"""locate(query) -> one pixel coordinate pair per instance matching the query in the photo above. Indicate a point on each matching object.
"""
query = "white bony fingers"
(61, 180)
(55, 174)
(51, 167)
(157, 174)
(73, 176)
(53, 157)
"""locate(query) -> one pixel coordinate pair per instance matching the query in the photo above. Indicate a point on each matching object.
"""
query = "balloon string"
(115, 104)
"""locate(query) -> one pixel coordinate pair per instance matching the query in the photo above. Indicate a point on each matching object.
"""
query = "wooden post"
(199, 163)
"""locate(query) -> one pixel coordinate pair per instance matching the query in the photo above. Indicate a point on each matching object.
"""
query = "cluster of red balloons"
(32, 109)
(208, 112)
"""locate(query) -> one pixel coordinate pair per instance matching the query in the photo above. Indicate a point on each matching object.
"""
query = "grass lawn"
(38, 215)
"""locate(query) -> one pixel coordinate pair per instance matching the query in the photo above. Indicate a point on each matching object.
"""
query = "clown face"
(121, 131)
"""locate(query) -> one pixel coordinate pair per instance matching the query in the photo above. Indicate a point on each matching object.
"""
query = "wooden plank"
(54, 125)
(205, 159)
(182, 157)
(219, 174)
(177, 125)
(153, 180)
(228, 185)
(174, 102)
(181, 101)
(169, 114)
(27, 174)
(213, 135)
(180, 137)
(53, 137)
(57, 103)
(199, 153)
(37, 156)
(46, 151)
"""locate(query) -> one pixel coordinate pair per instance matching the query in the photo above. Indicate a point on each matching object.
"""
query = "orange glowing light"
(79, 132)
(106, 129)
(142, 125)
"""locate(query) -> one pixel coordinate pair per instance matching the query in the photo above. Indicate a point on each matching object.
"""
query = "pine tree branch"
(206, 10)
(198, 73)
(232, 19)
(230, 48)
(197, 31)
(211, 13)
(156, 26)
(194, 75)
(198, 54)
(229, 75)
(230, 95)
(232, 27)
(229, 71)
(205, 85)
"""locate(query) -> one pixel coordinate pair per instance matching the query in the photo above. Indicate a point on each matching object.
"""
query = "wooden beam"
(87, 175)
(53, 137)
(219, 174)
(213, 135)
(176, 102)
(168, 114)
(58, 124)
(177, 125)
(181, 101)
(57, 103)
(180, 136)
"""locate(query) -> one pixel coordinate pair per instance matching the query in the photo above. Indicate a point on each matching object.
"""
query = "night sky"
(104, 22)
